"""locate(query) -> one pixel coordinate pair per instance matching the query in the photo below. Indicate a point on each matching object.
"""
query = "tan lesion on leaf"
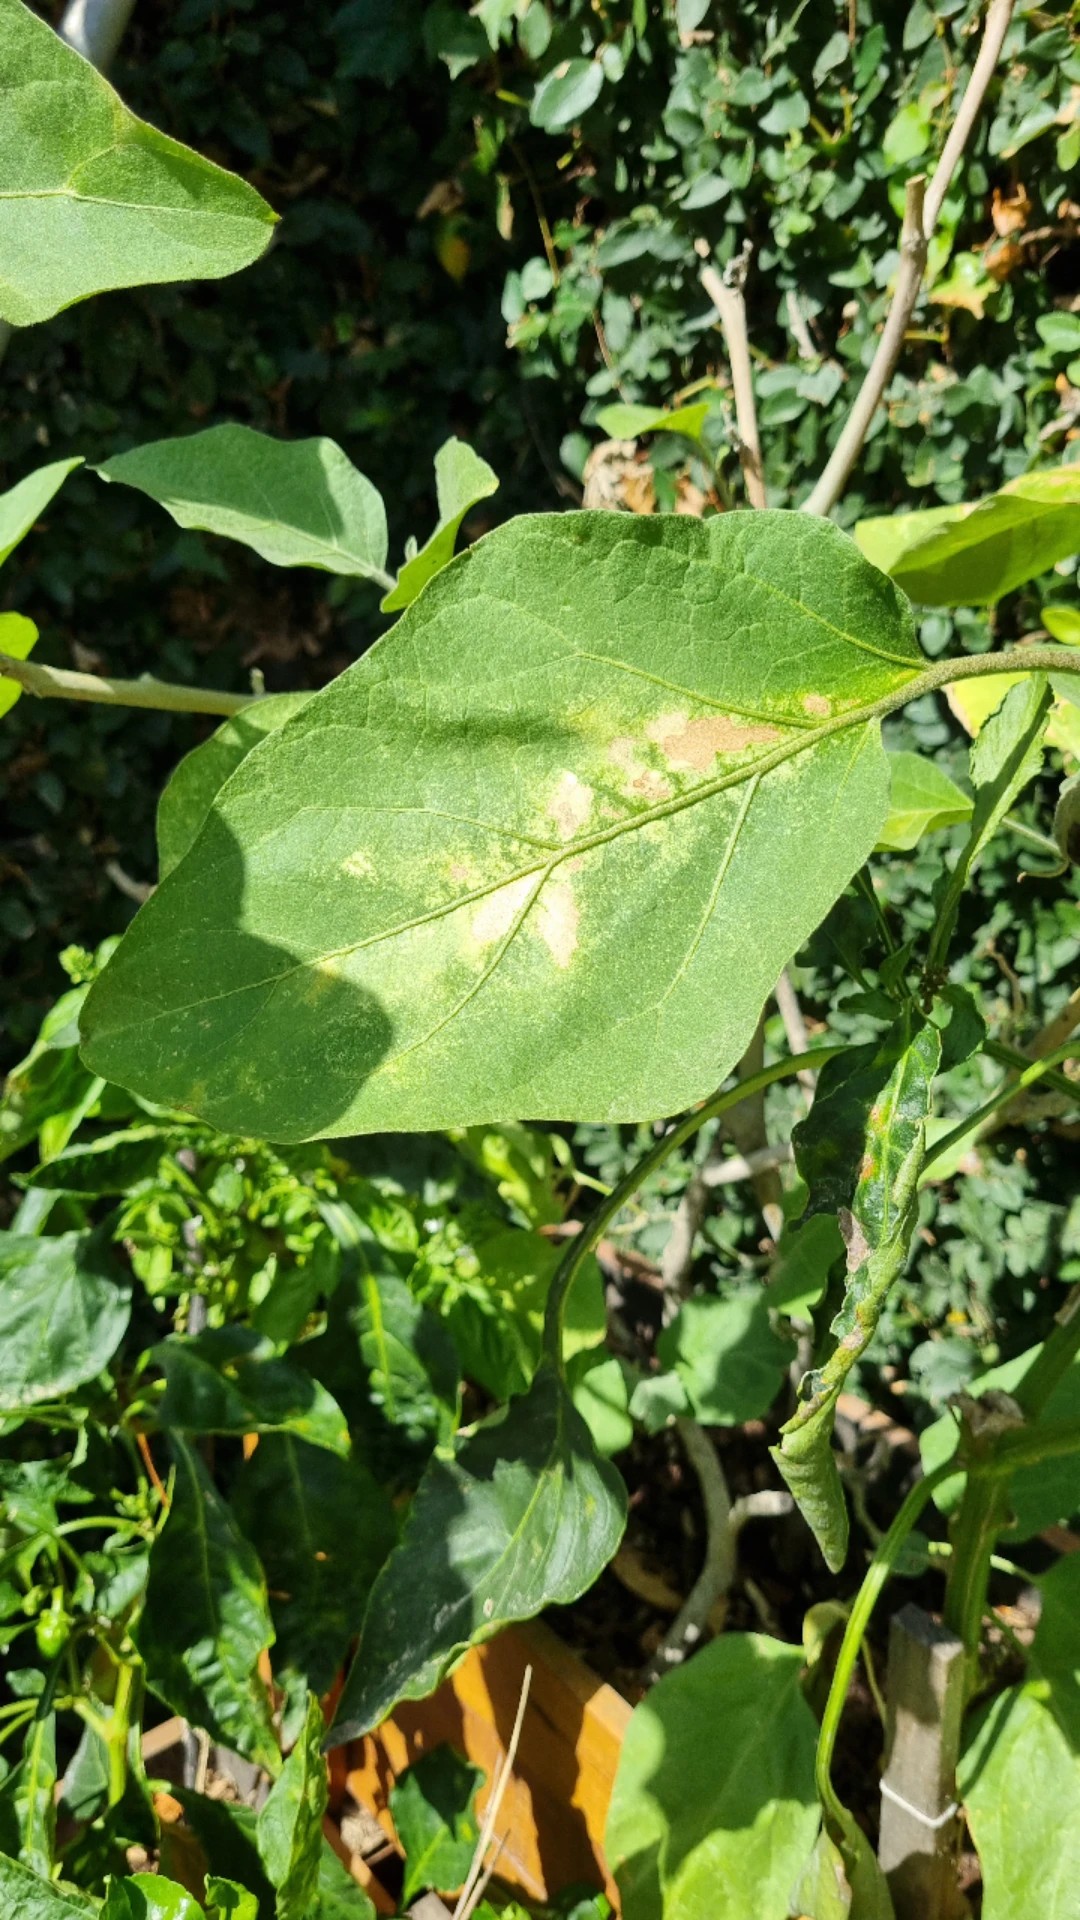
(570, 805)
(640, 782)
(693, 745)
(358, 866)
(557, 921)
(817, 705)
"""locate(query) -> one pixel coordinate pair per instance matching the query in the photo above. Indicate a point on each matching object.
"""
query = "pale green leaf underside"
(298, 503)
(971, 555)
(922, 799)
(542, 852)
(461, 480)
(1020, 1784)
(626, 422)
(90, 196)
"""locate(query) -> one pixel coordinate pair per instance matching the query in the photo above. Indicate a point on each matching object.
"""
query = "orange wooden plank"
(555, 1807)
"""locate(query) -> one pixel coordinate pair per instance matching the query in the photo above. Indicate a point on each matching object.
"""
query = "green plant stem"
(1035, 1070)
(1007, 1056)
(60, 683)
(881, 1565)
(119, 1727)
(584, 1242)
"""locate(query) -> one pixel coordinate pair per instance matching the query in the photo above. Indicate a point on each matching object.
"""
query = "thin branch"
(798, 1039)
(726, 1170)
(718, 1570)
(59, 683)
(846, 452)
(726, 293)
(921, 210)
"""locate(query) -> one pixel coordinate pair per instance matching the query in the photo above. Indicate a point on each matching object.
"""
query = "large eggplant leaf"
(1019, 1781)
(322, 1528)
(434, 1811)
(714, 1813)
(289, 1832)
(206, 1618)
(298, 503)
(523, 1515)
(91, 197)
(511, 861)
(201, 774)
(462, 479)
(970, 555)
(877, 1230)
(64, 1310)
(230, 1380)
(23, 504)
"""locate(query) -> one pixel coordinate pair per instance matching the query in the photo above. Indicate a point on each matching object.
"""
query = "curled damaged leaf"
(877, 1231)
(511, 861)
(522, 1515)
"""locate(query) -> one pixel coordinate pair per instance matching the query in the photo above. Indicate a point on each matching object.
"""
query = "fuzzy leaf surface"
(202, 773)
(298, 503)
(512, 860)
(523, 1515)
(91, 197)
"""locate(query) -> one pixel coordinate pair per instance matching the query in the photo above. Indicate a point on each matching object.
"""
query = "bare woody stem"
(726, 293)
(922, 208)
(60, 683)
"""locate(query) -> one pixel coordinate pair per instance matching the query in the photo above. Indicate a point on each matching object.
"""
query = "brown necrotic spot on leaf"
(694, 744)
(496, 915)
(640, 782)
(817, 705)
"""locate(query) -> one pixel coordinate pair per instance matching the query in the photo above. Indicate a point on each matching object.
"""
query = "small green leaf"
(708, 1828)
(877, 1232)
(202, 773)
(538, 888)
(23, 504)
(94, 198)
(522, 1516)
(1062, 623)
(289, 1499)
(226, 1901)
(565, 93)
(599, 1390)
(230, 1380)
(34, 1794)
(971, 555)
(63, 1312)
(149, 1896)
(113, 1163)
(727, 1356)
(461, 480)
(1055, 1650)
(298, 503)
(433, 1804)
(496, 1321)
(922, 799)
(340, 1898)
(804, 1261)
(1067, 821)
(18, 637)
(289, 1831)
(833, 1888)
(206, 1618)
(1019, 1781)
(623, 422)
